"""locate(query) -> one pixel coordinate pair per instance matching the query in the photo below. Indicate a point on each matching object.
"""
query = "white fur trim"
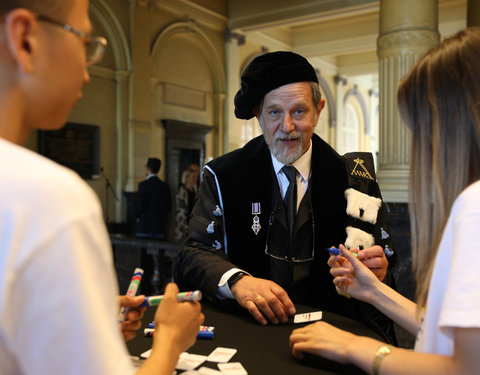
(357, 201)
(357, 238)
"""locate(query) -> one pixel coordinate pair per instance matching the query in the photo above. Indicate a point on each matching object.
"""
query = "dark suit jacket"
(220, 241)
(154, 203)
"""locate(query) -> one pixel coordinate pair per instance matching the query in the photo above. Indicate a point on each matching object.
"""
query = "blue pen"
(334, 251)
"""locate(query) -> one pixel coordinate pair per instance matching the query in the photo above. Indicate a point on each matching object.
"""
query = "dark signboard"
(75, 146)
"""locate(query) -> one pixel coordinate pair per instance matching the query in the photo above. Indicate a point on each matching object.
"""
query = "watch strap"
(382, 351)
(235, 277)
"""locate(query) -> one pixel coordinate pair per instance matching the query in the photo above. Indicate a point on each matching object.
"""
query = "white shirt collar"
(303, 164)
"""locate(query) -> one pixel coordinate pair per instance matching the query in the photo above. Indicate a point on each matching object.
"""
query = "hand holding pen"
(133, 318)
(353, 277)
(130, 314)
(177, 321)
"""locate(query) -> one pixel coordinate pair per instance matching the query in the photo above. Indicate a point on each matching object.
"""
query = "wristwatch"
(381, 352)
(235, 277)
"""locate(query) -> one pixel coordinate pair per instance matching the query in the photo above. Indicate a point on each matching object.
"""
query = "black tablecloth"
(262, 350)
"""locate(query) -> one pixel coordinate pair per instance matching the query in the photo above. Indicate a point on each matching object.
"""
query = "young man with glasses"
(266, 213)
(58, 290)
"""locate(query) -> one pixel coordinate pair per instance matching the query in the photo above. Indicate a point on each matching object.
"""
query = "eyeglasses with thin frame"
(269, 252)
(95, 45)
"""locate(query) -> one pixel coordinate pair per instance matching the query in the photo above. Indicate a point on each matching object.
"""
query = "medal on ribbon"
(256, 220)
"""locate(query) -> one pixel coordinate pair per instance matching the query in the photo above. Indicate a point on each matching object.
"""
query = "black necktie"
(290, 198)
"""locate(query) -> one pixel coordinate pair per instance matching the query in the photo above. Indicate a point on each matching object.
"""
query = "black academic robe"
(221, 234)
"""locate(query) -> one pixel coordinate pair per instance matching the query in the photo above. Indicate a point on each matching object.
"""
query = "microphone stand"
(108, 186)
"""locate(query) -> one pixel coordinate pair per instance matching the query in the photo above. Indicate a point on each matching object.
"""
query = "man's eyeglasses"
(94, 46)
(271, 249)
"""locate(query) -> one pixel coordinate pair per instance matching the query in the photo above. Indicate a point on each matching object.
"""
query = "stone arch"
(329, 97)
(117, 40)
(191, 28)
(354, 92)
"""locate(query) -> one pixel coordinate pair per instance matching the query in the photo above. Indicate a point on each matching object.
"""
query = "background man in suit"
(154, 203)
(248, 243)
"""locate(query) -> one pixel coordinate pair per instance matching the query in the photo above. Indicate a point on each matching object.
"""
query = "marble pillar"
(408, 29)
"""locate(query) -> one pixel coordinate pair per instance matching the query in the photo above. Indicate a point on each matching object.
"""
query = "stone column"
(473, 13)
(122, 80)
(408, 29)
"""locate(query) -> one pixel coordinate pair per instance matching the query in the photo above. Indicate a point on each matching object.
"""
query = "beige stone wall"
(170, 59)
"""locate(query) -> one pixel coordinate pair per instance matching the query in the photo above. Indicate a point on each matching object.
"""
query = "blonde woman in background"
(186, 199)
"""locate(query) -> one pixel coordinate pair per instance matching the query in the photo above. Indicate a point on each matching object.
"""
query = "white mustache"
(286, 137)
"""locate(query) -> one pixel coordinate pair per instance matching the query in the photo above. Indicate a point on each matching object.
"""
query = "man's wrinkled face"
(288, 118)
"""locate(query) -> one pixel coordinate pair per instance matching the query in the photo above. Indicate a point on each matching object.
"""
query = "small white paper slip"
(189, 361)
(221, 354)
(232, 368)
(146, 354)
(207, 371)
(307, 317)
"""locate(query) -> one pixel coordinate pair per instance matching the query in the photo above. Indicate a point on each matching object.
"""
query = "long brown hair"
(439, 100)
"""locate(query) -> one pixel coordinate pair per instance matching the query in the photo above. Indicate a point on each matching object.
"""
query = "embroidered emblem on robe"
(360, 170)
(211, 228)
(217, 211)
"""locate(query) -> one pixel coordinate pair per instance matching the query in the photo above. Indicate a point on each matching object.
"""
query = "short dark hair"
(154, 165)
(53, 8)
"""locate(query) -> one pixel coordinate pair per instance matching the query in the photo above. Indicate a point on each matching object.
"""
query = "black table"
(262, 350)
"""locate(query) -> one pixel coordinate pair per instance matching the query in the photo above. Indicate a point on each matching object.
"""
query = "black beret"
(266, 73)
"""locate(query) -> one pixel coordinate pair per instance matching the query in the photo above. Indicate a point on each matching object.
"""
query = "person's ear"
(320, 107)
(21, 40)
(255, 112)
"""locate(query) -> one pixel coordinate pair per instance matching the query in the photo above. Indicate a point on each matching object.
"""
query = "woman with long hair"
(439, 100)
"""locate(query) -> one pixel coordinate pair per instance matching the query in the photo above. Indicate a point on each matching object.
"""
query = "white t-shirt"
(58, 307)
(454, 293)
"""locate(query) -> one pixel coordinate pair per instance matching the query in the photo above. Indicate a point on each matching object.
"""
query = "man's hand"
(133, 319)
(263, 299)
(373, 257)
(352, 277)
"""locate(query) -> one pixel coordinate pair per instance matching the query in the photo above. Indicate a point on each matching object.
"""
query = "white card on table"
(208, 371)
(146, 354)
(307, 317)
(221, 354)
(232, 368)
(189, 361)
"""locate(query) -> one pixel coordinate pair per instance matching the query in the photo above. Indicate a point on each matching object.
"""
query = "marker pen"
(131, 291)
(195, 295)
(205, 332)
(334, 251)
